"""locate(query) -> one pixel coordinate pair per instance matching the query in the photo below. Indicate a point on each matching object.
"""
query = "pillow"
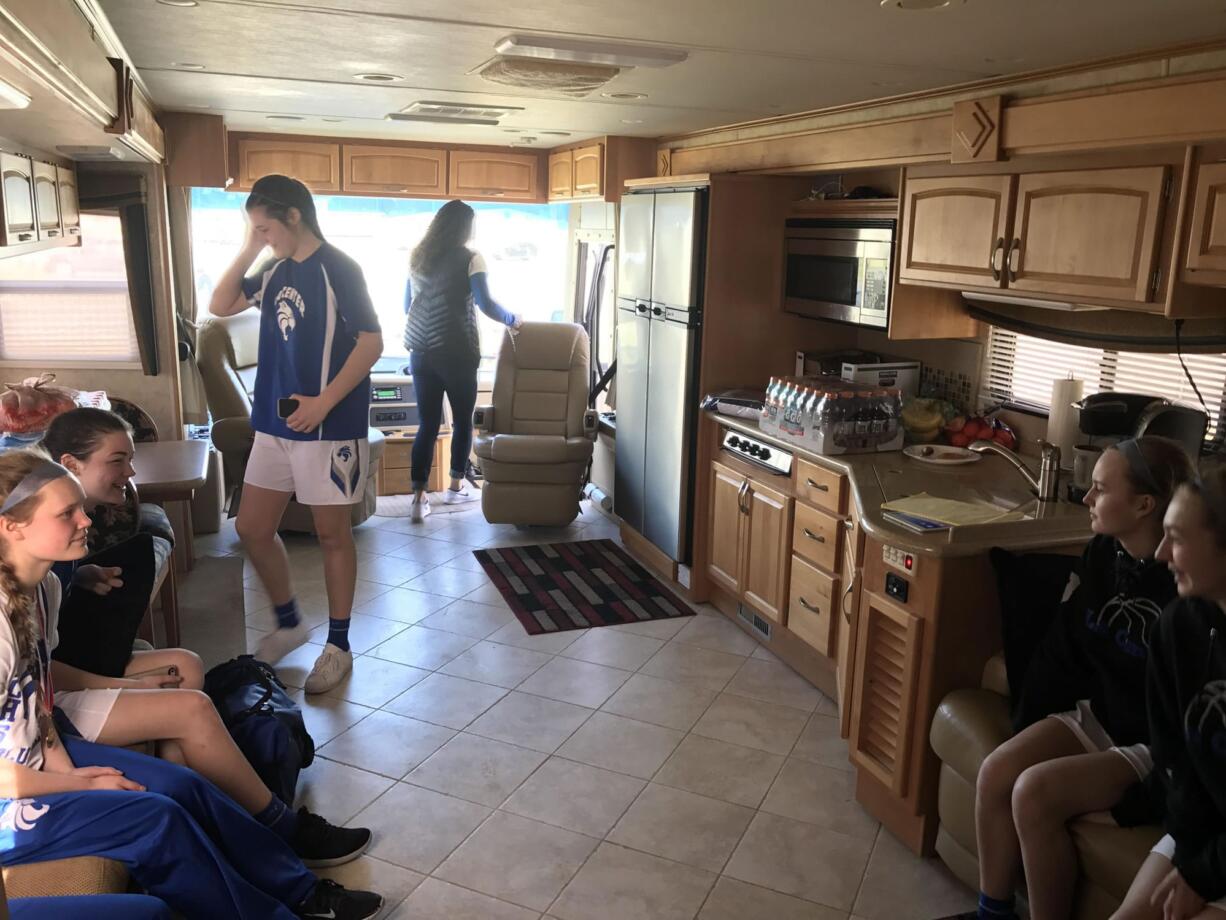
(97, 630)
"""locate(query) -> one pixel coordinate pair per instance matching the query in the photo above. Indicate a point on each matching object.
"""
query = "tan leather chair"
(227, 349)
(535, 442)
(969, 725)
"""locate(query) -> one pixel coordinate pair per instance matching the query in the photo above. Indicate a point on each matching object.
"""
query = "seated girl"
(150, 703)
(180, 838)
(1082, 743)
(1185, 875)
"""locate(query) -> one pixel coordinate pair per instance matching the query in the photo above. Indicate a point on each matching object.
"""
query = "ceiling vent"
(455, 113)
(565, 77)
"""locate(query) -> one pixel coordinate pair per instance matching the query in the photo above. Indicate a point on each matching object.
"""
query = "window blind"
(86, 322)
(1019, 369)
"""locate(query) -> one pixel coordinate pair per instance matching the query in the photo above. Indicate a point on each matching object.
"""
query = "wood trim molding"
(976, 130)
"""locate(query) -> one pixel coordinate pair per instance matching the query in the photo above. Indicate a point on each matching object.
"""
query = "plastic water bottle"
(770, 406)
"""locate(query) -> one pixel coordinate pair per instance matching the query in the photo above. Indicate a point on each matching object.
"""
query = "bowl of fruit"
(961, 431)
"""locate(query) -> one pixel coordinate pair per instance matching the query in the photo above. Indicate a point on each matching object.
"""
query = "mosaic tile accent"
(936, 383)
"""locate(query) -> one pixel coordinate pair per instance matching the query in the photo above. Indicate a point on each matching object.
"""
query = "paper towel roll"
(1062, 420)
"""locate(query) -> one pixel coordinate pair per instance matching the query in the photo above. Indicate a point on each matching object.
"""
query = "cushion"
(520, 448)
(968, 726)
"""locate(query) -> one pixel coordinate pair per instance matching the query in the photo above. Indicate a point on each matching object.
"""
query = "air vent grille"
(564, 77)
(460, 111)
(758, 624)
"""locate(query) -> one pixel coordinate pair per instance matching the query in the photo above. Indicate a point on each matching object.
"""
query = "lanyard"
(42, 653)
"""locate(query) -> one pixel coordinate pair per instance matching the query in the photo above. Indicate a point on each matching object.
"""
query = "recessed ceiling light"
(284, 117)
(921, 4)
(513, 130)
(11, 97)
(632, 121)
(555, 133)
(624, 95)
(378, 77)
(184, 4)
(187, 65)
(332, 121)
(610, 54)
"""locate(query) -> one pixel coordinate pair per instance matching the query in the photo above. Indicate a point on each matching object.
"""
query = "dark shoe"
(320, 844)
(334, 902)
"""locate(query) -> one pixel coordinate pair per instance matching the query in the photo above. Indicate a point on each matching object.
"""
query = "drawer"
(397, 455)
(393, 481)
(822, 487)
(815, 537)
(811, 600)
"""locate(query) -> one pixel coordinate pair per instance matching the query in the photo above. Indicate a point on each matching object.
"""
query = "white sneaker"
(330, 669)
(419, 511)
(280, 642)
(454, 497)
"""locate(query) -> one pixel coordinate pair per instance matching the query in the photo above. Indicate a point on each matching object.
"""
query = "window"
(1019, 369)
(70, 304)
(524, 245)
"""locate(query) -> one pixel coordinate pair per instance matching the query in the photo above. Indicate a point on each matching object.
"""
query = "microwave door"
(823, 279)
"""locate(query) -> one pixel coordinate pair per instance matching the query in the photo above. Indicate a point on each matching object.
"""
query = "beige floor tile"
(438, 900)
(427, 552)
(294, 667)
(828, 707)
(775, 683)
(446, 700)
(733, 900)
(752, 723)
(374, 681)
(477, 769)
(449, 582)
(491, 663)
(655, 629)
(423, 648)
(379, 542)
(800, 859)
(417, 828)
(613, 649)
(338, 791)
(549, 643)
(471, 619)
(692, 665)
(518, 860)
(574, 796)
(661, 702)
(622, 745)
(682, 826)
(487, 594)
(822, 796)
(364, 590)
(820, 743)
(369, 874)
(388, 570)
(762, 653)
(900, 886)
(530, 721)
(578, 682)
(467, 563)
(326, 717)
(719, 634)
(364, 632)
(386, 743)
(724, 771)
(619, 884)
(403, 605)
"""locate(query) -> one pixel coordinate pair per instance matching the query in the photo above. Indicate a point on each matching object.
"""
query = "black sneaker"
(320, 844)
(334, 902)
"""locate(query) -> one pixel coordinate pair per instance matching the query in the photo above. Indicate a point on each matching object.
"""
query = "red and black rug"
(552, 587)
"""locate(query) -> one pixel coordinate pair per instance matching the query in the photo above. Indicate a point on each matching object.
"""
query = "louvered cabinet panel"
(888, 649)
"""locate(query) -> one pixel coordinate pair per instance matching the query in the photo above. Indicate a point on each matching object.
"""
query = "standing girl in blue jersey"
(319, 338)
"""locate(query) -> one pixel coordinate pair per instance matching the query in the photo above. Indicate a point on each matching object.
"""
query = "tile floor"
(660, 771)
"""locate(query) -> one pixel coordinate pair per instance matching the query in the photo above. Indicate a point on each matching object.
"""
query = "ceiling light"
(513, 130)
(921, 4)
(555, 133)
(11, 97)
(284, 117)
(378, 77)
(611, 54)
(632, 121)
(624, 95)
(187, 66)
(184, 4)
(332, 120)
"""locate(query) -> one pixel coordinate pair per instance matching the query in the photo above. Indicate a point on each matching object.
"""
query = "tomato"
(959, 439)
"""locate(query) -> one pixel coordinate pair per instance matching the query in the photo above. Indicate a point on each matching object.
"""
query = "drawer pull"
(820, 486)
(814, 536)
(804, 603)
(843, 603)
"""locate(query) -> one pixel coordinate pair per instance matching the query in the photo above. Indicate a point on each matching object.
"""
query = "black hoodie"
(1187, 711)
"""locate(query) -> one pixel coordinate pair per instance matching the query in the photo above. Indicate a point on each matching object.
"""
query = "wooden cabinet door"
(1207, 239)
(765, 583)
(727, 522)
(476, 174)
(589, 171)
(398, 170)
(47, 201)
(561, 174)
(316, 165)
(17, 174)
(1088, 233)
(954, 230)
(846, 615)
(883, 702)
(70, 208)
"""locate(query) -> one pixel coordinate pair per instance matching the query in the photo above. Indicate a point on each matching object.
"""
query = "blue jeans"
(183, 840)
(434, 375)
(90, 907)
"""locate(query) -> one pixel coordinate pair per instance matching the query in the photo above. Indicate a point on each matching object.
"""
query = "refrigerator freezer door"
(633, 350)
(634, 247)
(674, 265)
(670, 421)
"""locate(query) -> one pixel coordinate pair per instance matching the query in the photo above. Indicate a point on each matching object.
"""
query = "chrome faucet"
(1047, 484)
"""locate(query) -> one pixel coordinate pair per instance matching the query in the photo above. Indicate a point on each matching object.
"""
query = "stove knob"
(734, 441)
(765, 453)
(754, 450)
(744, 447)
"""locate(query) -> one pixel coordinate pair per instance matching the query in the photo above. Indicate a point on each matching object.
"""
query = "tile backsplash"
(953, 386)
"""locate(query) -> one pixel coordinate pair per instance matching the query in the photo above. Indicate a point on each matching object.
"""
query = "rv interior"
(819, 315)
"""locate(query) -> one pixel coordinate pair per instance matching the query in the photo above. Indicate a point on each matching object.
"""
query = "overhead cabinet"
(577, 173)
(20, 224)
(481, 174)
(1206, 256)
(316, 164)
(399, 170)
(39, 202)
(561, 174)
(47, 201)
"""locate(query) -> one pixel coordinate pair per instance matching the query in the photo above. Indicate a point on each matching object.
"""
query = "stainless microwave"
(839, 270)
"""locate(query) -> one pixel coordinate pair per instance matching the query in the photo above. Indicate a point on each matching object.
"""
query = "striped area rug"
(552, 587)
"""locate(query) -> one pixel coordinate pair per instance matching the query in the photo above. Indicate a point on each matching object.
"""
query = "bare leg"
(259, 515)
(188, 719)
(1000, 854)
(191, 668)
(1136, 904)
(1045, 798)
(335, 531)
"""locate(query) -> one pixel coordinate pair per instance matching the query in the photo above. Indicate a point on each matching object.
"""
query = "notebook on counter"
(924, 513)
(914, 524)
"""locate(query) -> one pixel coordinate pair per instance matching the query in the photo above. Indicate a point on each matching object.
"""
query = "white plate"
(942, 454)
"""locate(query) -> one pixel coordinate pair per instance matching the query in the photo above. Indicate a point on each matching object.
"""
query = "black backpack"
(265, 723)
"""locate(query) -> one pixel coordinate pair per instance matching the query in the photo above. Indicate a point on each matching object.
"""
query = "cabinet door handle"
(843, 603)
(740, 497)
(1014, 258)
(804, 603)
(996, 261)
(820, 486)
(22, 237)
(817, 537)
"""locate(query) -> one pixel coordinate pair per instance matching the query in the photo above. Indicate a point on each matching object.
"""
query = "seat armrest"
(233, 435)
(968, 726)
(591, 421)
(483, 418)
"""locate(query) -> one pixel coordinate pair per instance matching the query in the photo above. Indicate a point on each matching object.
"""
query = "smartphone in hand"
(286, 407)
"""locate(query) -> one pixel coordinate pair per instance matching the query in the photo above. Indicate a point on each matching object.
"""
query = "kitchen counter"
(882, 477)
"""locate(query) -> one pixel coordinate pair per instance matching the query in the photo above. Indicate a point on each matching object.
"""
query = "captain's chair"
(535, 441)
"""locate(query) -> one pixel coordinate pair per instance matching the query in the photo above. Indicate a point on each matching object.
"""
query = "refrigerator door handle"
(642, 309)
(657, 311)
